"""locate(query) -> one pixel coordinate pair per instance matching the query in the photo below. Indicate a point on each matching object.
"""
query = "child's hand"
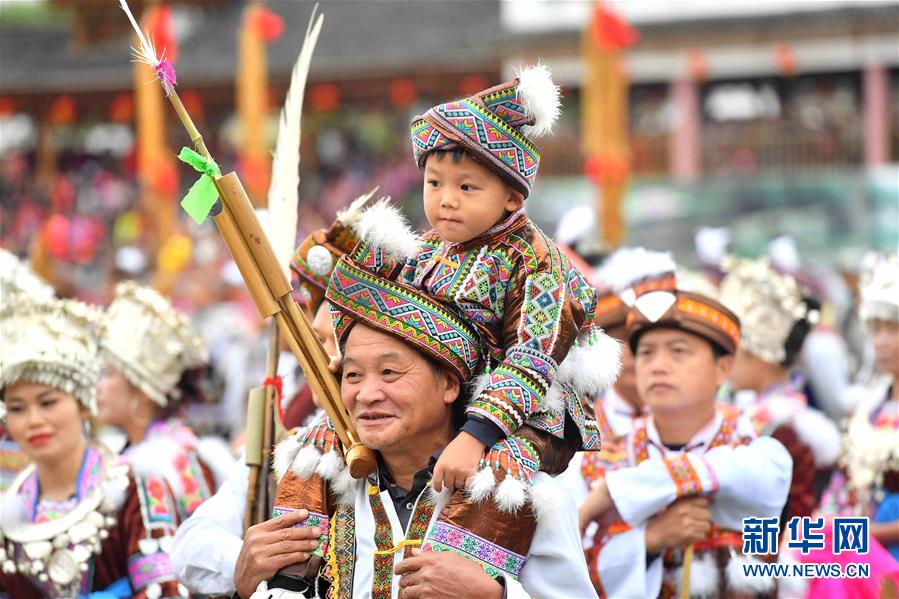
(458, 461)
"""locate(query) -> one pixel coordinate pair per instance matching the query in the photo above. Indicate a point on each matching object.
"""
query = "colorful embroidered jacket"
(366, 538)
(744, 477)
(112, 535)
(528, 303)
(171, 449)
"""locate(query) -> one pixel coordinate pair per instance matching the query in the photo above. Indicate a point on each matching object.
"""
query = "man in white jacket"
(691, 470)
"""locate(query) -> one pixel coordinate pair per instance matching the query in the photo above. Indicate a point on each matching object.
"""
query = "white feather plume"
(283, 192)
(629, 265)
(349, 216)
(146, 53)
(384, 226)
(541, 99)
(478, 384)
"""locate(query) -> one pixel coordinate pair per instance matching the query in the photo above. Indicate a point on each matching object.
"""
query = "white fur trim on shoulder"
(330, 466)
(216, 455)
(306, 461)
(820, 434)
(351, 215)
(590, 369)
(346, 487)
(385, 227)
(284, 454)
(541, 99)
(156, 459)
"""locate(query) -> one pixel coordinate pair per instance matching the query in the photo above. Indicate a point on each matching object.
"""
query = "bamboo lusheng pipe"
(263, 509)
(250, 247)
(255, 414)
(244, 238)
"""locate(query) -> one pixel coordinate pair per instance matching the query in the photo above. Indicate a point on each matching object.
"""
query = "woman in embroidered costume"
(691, 469)
(76, 521)
(867, 483)
(406, 361)
(776, 318)
(156, 363)
(16, 277)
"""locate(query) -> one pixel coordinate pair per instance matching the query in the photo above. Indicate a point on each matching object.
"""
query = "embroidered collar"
(510, 224)
(52, 550)
(702, 439)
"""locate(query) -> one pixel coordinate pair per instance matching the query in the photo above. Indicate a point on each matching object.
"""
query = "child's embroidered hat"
(362, 288)
(495, 126)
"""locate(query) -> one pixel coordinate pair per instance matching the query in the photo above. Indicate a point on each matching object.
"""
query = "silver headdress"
(51, 342)
(879, 289)
(149, 341)
(768, 303)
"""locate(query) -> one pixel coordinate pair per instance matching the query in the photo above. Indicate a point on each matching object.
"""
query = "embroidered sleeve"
(541, 321)
(149, 519)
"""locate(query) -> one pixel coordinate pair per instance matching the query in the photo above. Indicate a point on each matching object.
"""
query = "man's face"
(464, 199)
(677, 370)
(394, 398)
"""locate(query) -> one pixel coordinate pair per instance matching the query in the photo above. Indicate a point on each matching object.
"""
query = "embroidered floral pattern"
(494, 559)
(147, 569)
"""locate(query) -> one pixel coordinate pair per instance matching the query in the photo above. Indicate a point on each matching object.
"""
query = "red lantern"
(162, 33)
(324, 97)
(472, 84)
(56, 236)
(164, 178)
(269, 25)
(786, 60)
(62, 111)
(7, 106)
(697, 65)
(610, 31)
(607, 167)
(121, 109)
(402, 92)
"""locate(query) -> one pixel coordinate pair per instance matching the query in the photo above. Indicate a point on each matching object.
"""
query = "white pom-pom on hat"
(541, 99)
